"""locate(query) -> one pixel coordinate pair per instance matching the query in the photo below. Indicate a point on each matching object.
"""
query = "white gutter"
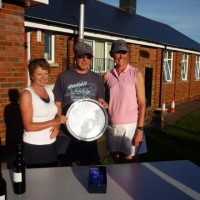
(183, 50)
(42, 1)
(106, 37)
(47, 27)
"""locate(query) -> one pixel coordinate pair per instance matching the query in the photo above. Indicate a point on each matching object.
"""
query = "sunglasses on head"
(88, 56)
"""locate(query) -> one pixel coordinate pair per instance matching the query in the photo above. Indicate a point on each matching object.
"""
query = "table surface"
(150, 181)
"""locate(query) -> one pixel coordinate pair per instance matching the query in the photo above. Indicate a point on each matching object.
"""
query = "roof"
(101, 17)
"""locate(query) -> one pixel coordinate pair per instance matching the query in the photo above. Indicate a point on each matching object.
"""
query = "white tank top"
(42, 112)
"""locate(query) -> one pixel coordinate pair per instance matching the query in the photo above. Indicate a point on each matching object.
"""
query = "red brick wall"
(148, 57)
(143, 57)
(37, 50)
(182, 91)
(12, 61)
(60, 57)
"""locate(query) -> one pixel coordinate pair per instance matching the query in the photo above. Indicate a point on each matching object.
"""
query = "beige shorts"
(120, 139)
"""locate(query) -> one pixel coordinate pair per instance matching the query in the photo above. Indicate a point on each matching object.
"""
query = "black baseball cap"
(119, 45)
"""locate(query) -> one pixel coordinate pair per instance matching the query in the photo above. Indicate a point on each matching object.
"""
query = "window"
(99, 64)
(49, 47)
(109, 61)
(197, 68)
(168, 60)
(102, 60)
(184, 67)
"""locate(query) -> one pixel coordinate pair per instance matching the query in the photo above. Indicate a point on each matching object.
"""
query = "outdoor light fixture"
(39, 35)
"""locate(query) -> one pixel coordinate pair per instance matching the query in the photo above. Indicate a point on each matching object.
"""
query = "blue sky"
(183, 15)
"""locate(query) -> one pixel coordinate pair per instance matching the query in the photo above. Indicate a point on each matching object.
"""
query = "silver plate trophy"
(87, 119)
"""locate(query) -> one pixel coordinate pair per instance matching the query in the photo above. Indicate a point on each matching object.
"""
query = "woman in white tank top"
(41, 125)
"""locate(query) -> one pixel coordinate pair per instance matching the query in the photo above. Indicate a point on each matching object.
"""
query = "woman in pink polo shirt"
(126, 96)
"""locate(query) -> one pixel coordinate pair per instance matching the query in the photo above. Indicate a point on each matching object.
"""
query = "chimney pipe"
(81, 23)
(128, 5)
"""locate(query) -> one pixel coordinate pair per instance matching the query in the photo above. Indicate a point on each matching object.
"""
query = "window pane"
(183, 71)
(102, 60)
(169, 55)
(99, 64)
(184, 66)
(168, 66)
(167, 72)
(48, 46)
(197, 68)
(196, 72)
(109, 61)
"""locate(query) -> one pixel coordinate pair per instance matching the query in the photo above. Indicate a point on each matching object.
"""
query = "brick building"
(169, 60)
(13, 75)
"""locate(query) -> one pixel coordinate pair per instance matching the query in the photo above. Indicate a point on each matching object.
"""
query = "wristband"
(141, 128)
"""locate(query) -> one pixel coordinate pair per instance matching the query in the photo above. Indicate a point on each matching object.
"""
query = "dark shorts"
(82, 151)
(40, 155)
(78, 150)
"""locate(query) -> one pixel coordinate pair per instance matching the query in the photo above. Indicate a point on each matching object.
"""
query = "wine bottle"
(19, 172)
(3, 188)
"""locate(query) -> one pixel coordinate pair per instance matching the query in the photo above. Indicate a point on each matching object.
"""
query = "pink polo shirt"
(123, 106)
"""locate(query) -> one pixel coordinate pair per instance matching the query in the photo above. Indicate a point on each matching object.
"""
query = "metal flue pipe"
(82, 16)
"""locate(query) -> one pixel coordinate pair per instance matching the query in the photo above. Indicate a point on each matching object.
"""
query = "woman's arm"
(140, 92)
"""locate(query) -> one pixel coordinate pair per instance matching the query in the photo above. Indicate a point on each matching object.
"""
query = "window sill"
(54, 65)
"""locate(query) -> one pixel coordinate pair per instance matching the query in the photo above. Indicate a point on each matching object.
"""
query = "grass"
(175, 142)
(180, 141)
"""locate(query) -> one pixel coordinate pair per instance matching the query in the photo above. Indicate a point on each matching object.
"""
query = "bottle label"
(17, 177)
(3, 197)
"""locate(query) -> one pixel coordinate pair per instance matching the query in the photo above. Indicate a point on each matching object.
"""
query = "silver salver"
(87, 119)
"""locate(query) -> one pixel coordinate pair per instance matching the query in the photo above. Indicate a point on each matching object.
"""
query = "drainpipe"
(81, 24)
(161, 78)
(68, 52)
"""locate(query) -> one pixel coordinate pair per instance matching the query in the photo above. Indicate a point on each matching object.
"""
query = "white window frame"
(184, 67)
(50, 58)
(168, 65)
(99, 67)
(197, 68)
(106, 56)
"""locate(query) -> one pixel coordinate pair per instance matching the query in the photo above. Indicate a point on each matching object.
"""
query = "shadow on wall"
(13, 120)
